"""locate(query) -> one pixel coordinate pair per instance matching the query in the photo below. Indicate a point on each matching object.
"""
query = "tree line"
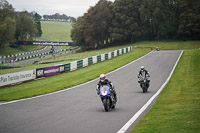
(58, 17)
(125, 21)
(17, 26)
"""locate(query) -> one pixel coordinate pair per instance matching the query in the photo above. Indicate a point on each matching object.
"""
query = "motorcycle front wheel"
(106, 104)
(143, 88)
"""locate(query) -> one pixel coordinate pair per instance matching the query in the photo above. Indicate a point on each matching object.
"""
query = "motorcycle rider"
(144, 72)
(104, 81)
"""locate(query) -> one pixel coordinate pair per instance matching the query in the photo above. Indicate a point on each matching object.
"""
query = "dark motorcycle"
(144, 83)
(107, 98)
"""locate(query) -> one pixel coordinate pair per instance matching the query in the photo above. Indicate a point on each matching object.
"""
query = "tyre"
(106, 103)
(113, 106)
(143, 88)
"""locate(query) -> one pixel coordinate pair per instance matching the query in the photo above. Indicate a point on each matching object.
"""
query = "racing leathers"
(143, 73)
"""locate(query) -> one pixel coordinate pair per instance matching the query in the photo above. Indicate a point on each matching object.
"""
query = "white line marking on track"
(67, 89)
(132, 120)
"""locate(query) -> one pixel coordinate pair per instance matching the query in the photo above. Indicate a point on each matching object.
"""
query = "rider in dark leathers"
(144, 72)
(104, 81)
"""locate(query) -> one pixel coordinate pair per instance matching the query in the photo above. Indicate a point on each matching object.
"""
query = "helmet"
(142, 67)
(102, 77)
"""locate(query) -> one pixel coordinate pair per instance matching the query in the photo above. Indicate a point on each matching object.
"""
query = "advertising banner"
(39, 72)
(12, 78)
(45, 43)
(50, 71)
(62, 68)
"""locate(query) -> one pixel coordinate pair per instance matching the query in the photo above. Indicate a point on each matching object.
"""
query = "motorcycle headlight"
(104, 93)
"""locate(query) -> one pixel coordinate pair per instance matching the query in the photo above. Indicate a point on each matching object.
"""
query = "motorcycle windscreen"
(104, 90)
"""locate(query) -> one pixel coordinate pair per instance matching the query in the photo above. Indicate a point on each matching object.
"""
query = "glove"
(111, 90)
(98, 92)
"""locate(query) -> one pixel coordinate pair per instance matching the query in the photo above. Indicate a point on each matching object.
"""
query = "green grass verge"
(56, 31)
(177, 109)
(164, 45)
(66, 80)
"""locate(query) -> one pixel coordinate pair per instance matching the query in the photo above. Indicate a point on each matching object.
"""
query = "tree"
(92, 30)
(77, 33)
(159, 18)
(189, 18)
(126, 20)
(98, 21)
(129, 20)
(7, 23)
(58, 17)
(37, 19)
(26, 28)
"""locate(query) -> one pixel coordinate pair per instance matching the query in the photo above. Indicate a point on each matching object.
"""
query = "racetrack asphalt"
(79, 109)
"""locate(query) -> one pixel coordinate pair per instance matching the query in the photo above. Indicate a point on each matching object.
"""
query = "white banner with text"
(12, 78)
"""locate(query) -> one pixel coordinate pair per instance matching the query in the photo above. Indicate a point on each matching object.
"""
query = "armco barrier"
(94, 58)
(85, 62)
(12, 78)
(67, 67)
(112, 54)
(73, 66)
(80, 64)
(90, 61)
(102, 57)
(106, 56)
(98, 58)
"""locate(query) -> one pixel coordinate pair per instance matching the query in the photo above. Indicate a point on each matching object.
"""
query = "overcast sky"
(72, 8)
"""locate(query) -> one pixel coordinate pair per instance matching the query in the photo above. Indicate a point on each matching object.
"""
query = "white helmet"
(102, 77)
(142, 67)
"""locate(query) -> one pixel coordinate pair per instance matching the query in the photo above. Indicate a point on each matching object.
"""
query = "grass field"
(8, 50)
(172, 45)
(56, 31)
(52, 31)
(177, 109)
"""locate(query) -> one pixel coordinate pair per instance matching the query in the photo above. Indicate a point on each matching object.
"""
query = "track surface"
(79, 110)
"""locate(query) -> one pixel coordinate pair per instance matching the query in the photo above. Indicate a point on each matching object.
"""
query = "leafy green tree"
(7, 23)
(92, 30)
(37, 19)
(129, 20)
(77, 33)
(189, 19)
(99, 19)
(126, 20)
(26, 28)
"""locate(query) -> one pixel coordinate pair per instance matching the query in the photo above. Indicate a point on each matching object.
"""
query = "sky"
(73, 8)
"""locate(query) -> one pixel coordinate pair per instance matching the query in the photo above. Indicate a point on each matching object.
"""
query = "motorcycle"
(107, 98)
(144, 83)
